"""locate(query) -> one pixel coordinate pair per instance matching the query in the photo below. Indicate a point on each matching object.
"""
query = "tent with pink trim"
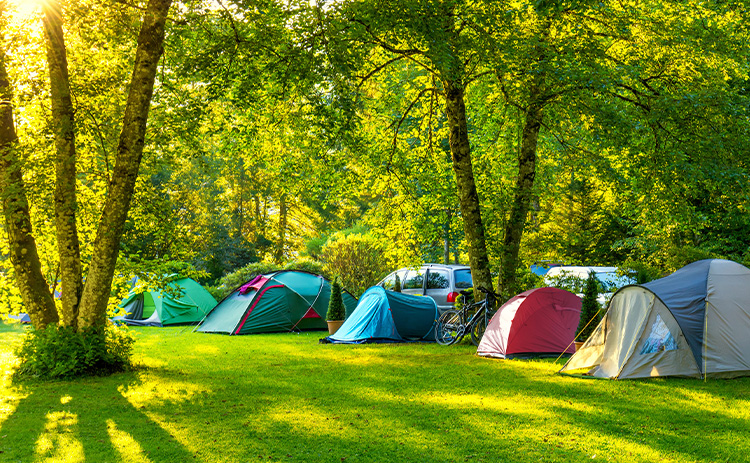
(281, 301)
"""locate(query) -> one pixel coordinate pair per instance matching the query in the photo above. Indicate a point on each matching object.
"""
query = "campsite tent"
(388, 316)
(185, 304)
(536, 323)
(694, 322)
(21, 318)
(281, 301)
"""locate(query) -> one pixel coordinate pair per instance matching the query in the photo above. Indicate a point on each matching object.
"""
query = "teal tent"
(186, 303)
(288, 300)
(388, 316)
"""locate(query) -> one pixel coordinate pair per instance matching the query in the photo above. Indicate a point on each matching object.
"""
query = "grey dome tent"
(692, 323)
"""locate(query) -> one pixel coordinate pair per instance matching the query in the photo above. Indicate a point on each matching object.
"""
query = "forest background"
(596, 133)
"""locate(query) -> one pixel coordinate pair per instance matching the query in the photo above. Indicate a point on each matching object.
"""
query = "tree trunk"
(468, 197)
(514, 228)
(129, 152)
(34, 290)
(65, 166)
(283, 212)
(447, 238)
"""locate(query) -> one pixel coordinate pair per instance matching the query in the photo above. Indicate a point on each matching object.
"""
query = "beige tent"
(694, 323)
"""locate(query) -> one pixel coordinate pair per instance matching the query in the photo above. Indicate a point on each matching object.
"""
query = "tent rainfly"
(692, 323)
(388, 316)
(21, 318)
(186, 304)
(541, 322)
(288, 300)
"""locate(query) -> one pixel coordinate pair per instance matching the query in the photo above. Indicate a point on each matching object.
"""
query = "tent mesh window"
(659, 339)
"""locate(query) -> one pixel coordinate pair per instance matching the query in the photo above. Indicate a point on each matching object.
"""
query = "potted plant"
(589, 310)
(336, 311)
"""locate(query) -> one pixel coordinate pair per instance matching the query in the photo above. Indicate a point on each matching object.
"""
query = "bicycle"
(471, 318)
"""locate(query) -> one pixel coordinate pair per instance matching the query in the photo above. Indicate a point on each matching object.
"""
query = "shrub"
(336, 309)
(57, 352)
(235, 279)
(642, 272)
(567, 281)
(589, 308)
(359, 260)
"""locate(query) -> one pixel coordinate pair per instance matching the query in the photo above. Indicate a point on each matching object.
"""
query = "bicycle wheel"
(477, 331)
(449, 328)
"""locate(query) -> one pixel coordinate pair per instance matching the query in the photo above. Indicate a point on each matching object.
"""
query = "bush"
(642, 272)
(336, 309)
(57, 352)
(359, 260)
(567, 281)
(233, 280)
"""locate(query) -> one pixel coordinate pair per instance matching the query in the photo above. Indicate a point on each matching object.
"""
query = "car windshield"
(463, 278)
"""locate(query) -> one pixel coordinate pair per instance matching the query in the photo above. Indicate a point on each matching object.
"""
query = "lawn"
(286, 398)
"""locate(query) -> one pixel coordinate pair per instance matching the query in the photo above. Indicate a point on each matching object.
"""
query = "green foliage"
(359, 260)
(336, 309)
(233, 280)
(57, 352)
(641, 271)
(397, 284)
(590, 309)
(568, 282)
(684, 255)
(526, 280)
(465, 299)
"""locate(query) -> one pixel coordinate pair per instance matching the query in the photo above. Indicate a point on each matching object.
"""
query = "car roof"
(580, 270)
(448, 266)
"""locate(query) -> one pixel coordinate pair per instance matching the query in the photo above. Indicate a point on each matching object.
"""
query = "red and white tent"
(536, 323)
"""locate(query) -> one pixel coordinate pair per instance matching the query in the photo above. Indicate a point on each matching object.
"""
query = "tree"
(88, 310)
(590, 308)
(336, 309)
(435, 38)
(23, 250)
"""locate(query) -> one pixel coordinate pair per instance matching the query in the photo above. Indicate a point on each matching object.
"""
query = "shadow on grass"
(85, 420)
(287, 398)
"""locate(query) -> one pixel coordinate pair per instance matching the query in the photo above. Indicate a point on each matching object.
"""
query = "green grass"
(286, 398)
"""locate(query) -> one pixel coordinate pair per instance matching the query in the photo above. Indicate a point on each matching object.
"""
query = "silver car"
(439, 281)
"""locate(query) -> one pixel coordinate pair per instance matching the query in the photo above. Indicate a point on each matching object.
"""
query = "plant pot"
(579, 344)
(334, 325)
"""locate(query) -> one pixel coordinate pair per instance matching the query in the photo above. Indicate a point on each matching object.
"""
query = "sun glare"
(25, 7)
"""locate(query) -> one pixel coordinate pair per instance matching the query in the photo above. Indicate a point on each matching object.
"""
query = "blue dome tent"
(387, 316)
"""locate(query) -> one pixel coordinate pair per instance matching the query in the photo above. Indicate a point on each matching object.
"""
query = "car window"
(414, 280)
(463, 279)
(611, 281)
(437, 279)
(389, 282)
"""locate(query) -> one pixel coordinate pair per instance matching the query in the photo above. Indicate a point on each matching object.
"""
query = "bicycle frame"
(453, 325)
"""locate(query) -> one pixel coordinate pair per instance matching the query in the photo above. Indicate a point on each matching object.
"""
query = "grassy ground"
(286, 398)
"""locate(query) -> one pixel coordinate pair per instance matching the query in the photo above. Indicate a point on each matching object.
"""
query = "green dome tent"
(187, 304)
(287, 300)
